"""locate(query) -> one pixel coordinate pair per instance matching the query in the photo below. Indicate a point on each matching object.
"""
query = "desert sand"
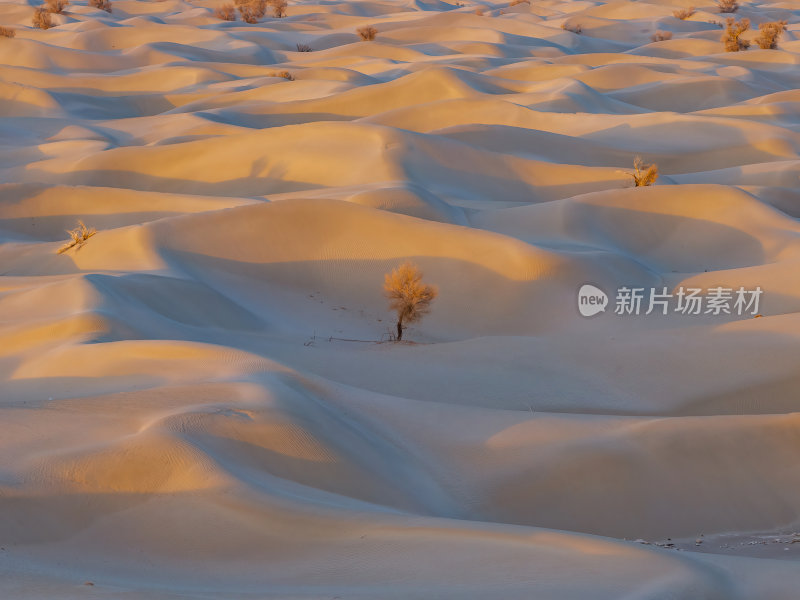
(202, 401)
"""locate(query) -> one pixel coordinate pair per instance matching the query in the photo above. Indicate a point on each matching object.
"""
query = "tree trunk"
(399, 330)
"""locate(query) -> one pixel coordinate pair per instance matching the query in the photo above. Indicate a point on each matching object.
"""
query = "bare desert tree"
(643, 174)
(56, 6)
(278, 8)
(251, 10)
(367, 34)
(101, 4)
(770, 32)
(408, 296)
(41, 18)
(732, 38)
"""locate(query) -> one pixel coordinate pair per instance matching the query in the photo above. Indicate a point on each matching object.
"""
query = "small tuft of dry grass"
(576, 29)
(251, 10)
(728, 6)
(278, 8)
(78, 236)
(101, 4)
(226, 12)
(285, 74)
(683, 13)
(41, 18)
(367, 34)
(643, 174)
(7, 32)
(304, 48)
(660, 36)
(770, 32)
(56, 6)
(732, 38)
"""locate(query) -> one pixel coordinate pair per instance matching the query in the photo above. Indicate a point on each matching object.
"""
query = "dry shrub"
(7, 32)
(278, 8)
(770, 32)
(56, 6)
(226, 12)
(408, 296)
(576, 29)
(284, 74)
(479, 12)
(643, 174)
(251, 10)
(41, 18)
(368, 33)
(683, 13)
(101, 4)
(515, 2)
(728, 6)
(732, 38)
(78, 236)
(304, 48)
(660, 36)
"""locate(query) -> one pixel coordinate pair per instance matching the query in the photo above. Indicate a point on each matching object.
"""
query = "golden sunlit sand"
(202, 394)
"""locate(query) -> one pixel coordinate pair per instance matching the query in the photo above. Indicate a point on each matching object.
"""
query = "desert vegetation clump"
(732, 38)
(251, 10)
(367, 34)
(7, 32)
(660, 36)
(728, 6)
(285, 74)
(101, 4)
(479, 12)
(304, 48)
(643, 174)
(515, 2)
(226, 12)
(41, 18)
(683, 13)
(408, 296)
(56, 6)
(576, 29)
(78, 237)
(769, 34)
(278, 8)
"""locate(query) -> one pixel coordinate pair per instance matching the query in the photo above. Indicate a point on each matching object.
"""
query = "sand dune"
(202, 400)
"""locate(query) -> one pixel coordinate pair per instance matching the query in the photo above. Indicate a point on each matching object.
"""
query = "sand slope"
(201, 402)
